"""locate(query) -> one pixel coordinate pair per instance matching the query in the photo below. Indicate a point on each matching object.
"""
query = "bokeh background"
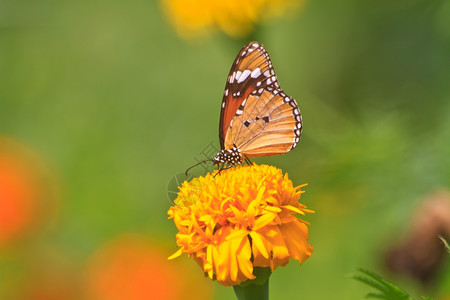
(102, 103)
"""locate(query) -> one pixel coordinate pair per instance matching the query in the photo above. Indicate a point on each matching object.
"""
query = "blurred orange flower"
(132, 268)
(240, 219)
(234, 17)
(24, 190)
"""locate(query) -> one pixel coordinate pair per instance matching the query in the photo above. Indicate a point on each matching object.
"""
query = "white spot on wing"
(256, 72)
(243, 76)
(238, 74)
(232, 77)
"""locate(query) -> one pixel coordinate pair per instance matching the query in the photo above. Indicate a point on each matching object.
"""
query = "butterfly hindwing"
(251, 72)
(270, 124)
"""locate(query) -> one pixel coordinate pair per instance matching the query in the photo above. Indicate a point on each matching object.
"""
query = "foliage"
(446, 244)
(385, 289)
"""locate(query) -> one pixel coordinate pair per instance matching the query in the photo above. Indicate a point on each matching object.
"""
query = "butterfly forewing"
(251, 72)
(257, 117)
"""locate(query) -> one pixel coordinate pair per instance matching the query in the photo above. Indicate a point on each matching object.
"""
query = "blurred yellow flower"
(236, 18)
(242, 218)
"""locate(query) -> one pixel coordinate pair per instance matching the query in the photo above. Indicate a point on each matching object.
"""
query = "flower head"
(27, 191)
(234, 17)
(132, 267)
(240, 219)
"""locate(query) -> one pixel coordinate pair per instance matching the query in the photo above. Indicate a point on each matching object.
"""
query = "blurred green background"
(117, 103)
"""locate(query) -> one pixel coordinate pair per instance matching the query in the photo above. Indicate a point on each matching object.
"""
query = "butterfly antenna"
(202, 162)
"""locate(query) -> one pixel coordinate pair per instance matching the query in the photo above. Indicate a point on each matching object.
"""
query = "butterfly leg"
(222, 168)
(247, 160)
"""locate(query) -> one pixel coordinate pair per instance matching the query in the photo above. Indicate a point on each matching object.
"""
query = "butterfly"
(257, 118)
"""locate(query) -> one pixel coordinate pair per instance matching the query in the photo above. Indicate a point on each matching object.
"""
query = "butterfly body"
(228, 156)
(257, 118)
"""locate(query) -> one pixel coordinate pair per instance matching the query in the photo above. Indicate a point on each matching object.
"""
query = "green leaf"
(375, 295)
(368, 282)
(446, 245)
(385, 289)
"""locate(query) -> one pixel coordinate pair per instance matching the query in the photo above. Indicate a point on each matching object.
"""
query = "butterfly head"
(230, 157)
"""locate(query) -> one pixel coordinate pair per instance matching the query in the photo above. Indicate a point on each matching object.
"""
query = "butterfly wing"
(251, 70)
(270, 124)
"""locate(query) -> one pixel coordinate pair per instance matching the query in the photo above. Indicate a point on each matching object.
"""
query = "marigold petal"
(258, 243)
(208, 265)
(237, 234)
(176, 254)
(221, 260)
(263, 221)
(252, 207)
(234, 268)
(280, 253)
(294, 209)
(242, 266)
(296, 243)
(239, 215)
(245, 264)
(272, 209)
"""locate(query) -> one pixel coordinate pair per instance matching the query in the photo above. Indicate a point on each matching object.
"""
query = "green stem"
(256, 289)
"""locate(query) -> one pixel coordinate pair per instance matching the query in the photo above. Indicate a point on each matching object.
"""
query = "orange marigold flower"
(27, 191)
(240, 219)
(133, 267)
(234, 17)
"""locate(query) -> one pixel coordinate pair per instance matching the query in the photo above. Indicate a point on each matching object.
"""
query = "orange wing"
(270, 124)
(251, 71)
